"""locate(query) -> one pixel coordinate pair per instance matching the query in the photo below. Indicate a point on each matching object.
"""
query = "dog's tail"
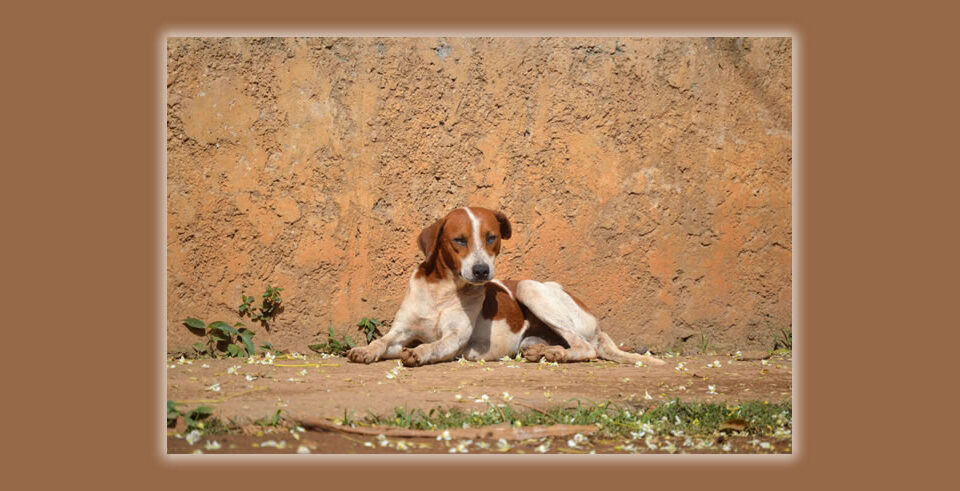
(608, 350)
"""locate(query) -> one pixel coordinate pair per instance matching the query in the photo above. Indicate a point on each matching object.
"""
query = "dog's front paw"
(410, 358)
(361, 355)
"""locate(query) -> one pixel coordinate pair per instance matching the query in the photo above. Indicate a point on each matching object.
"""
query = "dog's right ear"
(428, 238)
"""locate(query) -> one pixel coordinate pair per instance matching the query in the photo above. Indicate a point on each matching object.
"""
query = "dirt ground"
(314, 388)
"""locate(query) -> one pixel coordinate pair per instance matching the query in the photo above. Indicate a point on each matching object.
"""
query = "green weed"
(173, 413)
(704, 344)
(368, 326)
(222, 338)
(273, 420)
(270, 306)
(195, 418)
(333, 346)
(783, 339)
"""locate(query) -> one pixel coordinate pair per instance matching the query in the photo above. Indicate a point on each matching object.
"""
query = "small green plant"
(268, 348)
(348, 419)
(333, 346)
(244, 308)
(235, 341)
(783, 339)
(368, 326)
(173, 413)
(270, 306)
(194, 418)
(269, 420)
(704, 343)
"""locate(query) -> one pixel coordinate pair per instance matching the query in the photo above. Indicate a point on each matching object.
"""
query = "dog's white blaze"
(477, 252)
(476, 229)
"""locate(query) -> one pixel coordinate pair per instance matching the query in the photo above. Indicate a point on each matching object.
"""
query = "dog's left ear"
(428, 239)
(506, 230)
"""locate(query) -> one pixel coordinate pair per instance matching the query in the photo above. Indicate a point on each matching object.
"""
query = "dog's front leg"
(401, 332)
(455, 328)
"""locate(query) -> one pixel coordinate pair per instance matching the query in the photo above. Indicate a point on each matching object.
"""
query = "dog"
(454, 306)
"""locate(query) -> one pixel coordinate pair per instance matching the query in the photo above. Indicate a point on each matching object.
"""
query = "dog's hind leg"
(568, 318)
(610, 351)
(559, 311)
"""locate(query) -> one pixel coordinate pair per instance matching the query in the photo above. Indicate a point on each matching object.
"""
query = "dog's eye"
(460, 241)
(491, 239)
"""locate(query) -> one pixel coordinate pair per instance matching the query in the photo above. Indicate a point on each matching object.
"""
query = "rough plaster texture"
(652, 177)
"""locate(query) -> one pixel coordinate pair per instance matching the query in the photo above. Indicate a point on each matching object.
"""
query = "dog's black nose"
(481, 271)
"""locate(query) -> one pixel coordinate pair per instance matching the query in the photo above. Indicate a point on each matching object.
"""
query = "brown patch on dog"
(511, 285)
(428, 241)
(498, 304)
(581, 304)
(457, 224)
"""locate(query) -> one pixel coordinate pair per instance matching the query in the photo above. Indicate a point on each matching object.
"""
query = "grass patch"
(759, 418)
(783, 340)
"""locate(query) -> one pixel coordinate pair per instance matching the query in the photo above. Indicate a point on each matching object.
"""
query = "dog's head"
(466, 242)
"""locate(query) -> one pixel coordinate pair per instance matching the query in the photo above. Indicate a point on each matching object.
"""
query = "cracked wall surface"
(651, 177)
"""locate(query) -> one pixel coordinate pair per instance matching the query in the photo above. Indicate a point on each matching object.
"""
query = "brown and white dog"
(455, 307)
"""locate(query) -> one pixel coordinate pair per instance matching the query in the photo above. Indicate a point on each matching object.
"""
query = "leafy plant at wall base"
(270, 306)
(195, 417)
(333, 346)
(271, 302)
(368, 326)
(245, 305)
(704, 344)
(235, 341)
(784, 340)
(267, 348)
(173, 413)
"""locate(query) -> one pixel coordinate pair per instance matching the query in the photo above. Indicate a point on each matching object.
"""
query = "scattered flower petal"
(193, 436)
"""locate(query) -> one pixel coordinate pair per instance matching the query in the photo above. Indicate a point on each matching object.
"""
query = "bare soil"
(317, 388)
